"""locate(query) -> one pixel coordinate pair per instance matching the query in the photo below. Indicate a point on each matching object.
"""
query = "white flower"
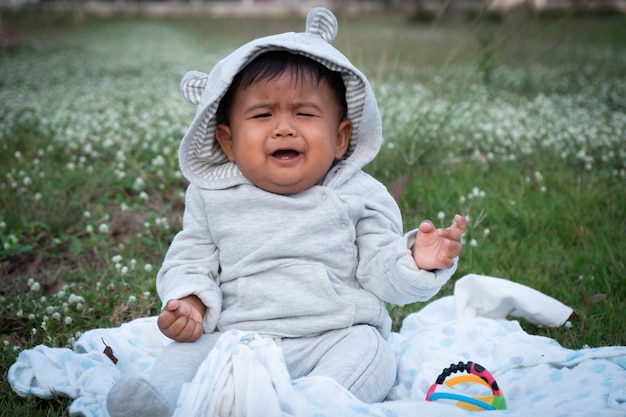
(116, 259)
(138, 184)
(67, 320)
(147, 268)
(158, 161)
(75, 299)
(103, 228)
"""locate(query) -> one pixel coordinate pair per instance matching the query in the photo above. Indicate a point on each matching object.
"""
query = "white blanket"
(245, 374)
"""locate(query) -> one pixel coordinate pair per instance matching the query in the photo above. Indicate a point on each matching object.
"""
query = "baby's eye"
(261, 115)
(306, 114)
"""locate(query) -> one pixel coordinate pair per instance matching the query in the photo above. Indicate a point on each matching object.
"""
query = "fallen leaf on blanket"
(109, 352)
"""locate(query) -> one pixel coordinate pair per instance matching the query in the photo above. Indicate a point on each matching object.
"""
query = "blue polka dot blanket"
(245, 375)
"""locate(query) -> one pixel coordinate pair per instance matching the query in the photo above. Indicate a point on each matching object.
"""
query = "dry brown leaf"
(109, 352)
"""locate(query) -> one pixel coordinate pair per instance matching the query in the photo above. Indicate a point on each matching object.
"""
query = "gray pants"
(357, 358)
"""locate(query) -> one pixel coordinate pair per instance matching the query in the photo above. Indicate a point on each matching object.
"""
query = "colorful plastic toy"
(477, 374)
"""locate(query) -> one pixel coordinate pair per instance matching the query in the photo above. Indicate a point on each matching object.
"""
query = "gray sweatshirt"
(290, 265)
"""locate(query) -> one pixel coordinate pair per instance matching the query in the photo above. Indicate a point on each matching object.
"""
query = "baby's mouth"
(286, 154)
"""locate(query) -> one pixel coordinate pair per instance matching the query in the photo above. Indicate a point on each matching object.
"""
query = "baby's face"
(285, 134)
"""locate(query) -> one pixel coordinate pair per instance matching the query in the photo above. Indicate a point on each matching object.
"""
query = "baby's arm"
(181, 320)
(187, 282)
(436, 248)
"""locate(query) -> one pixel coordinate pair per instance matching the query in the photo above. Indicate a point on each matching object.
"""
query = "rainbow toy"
(478, 375)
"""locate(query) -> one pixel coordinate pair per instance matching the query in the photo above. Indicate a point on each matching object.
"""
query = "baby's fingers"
(186, 330)
(180, 328)
(426, 226)
(452, 249)
(459, 225)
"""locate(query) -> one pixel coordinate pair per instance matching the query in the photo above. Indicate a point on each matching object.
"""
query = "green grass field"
(519, 124)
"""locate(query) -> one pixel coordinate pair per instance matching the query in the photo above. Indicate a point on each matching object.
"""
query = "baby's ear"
(192, 86)
(344, 133)
(224, 136)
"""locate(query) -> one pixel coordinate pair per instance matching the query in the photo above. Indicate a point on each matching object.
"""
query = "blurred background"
(426, 9)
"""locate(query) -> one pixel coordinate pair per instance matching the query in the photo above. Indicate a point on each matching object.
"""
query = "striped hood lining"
(200, 156)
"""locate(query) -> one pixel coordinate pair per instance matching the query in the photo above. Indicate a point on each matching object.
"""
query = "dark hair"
(273, 64)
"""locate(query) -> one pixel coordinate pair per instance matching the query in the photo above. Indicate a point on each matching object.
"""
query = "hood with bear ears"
(201, 158)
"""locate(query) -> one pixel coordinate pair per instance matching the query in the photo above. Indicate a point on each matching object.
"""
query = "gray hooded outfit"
(311, 269)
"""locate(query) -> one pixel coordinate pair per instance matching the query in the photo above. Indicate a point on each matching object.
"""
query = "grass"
(520, 125)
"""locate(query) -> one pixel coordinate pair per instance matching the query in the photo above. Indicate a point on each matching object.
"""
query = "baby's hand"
(437, 248)
(181, 320)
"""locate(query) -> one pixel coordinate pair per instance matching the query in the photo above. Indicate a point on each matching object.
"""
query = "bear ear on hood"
(192, 86)
(322, 22)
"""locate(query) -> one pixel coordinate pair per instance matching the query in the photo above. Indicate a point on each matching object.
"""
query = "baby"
(283, 233)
